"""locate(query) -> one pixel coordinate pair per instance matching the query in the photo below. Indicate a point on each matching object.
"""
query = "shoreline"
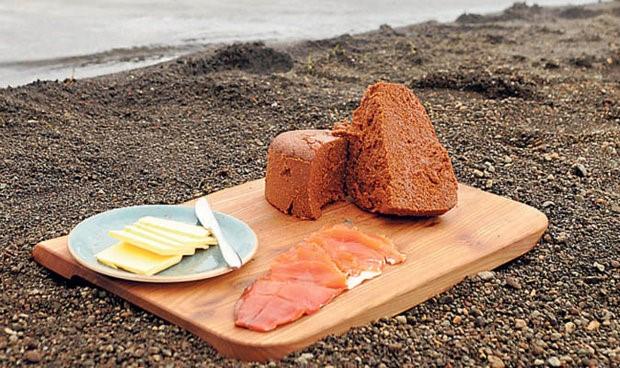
(19, 72)
(525, 102)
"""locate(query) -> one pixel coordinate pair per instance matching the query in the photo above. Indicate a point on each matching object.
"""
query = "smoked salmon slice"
(308, 262)
(350, 234)
(268, 303)
(360, 256)
(310, 274)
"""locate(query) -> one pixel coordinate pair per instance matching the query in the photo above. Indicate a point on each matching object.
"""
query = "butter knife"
(207, 219)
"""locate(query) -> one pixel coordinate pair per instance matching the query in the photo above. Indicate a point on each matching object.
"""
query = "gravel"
(554, 362)
(525, 101)
(486, 275)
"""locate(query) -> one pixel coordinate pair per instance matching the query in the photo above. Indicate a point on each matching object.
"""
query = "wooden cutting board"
(481, 233)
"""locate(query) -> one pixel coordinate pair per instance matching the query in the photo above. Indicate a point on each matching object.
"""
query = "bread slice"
(396, 165)
(305, 171)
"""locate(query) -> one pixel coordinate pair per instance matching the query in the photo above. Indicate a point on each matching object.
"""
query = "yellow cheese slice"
(175, 237)
(175, 227)
(161, 248)
(154, 237)
(134, 259)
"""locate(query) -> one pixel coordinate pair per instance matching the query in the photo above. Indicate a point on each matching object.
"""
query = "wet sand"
(526, 102)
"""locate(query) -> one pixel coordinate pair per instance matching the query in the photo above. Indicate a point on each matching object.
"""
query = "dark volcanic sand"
(527, 102)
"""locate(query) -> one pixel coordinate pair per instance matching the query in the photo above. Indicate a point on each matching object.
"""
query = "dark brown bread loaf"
(396, 164)
(305, 171)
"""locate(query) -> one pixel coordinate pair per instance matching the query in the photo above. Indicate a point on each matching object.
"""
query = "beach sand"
(526, 101)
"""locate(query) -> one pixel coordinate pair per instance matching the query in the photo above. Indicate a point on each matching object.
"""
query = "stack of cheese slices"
(152, 245)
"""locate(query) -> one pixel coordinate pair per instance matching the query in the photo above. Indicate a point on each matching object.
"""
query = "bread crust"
(305, 171)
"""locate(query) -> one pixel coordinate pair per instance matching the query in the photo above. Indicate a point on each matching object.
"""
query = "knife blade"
(207, 219)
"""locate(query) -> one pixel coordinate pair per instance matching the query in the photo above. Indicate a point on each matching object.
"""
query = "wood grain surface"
(481, 233)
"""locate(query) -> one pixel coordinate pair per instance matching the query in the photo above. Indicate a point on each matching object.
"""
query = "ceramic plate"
(91, 236)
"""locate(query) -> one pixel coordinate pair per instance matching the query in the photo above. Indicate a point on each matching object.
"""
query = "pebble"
(154, 350)
(33, 356)
(446, 299)
(599, 267)
(614, 263)
(586, 351)
(457, 320)
(554, 362)
(580, 170)
(305, 357)
(548, 204)
(539, 362)
(551, 156)
(513, 282)
(593, 325)
(569, 327)
(561, 237)
(476, 312)
(520, 323)
(478, 173)
(486, 275)
(495, 362)
(401, 319)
